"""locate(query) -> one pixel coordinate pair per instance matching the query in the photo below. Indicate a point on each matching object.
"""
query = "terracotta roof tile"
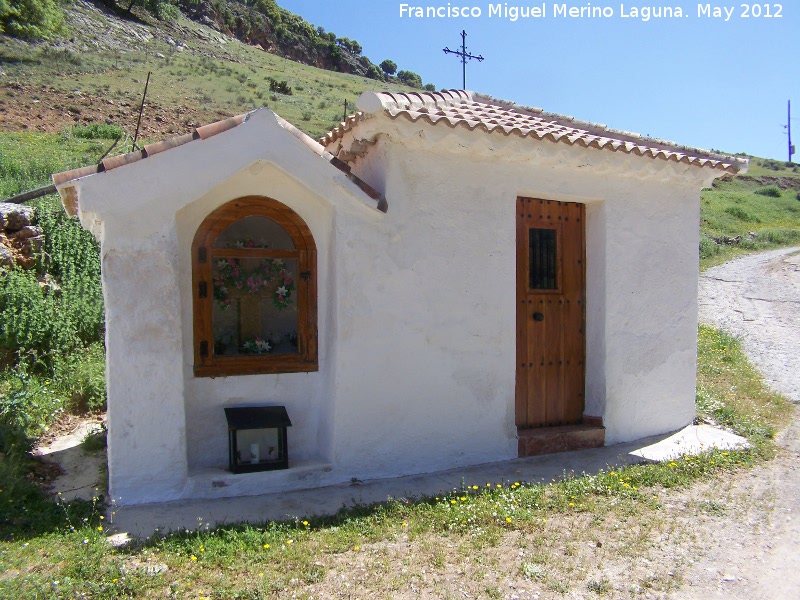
(459, 108)
(113, 162)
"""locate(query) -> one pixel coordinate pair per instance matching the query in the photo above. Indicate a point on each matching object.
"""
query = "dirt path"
(752, 551)
(757, 298)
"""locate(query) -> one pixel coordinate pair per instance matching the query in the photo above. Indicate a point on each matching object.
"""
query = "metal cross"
(464, 56)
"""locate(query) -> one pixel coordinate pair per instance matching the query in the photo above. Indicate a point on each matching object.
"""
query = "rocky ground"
(50, 110)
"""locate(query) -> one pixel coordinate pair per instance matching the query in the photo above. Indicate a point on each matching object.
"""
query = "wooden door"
(551, 298)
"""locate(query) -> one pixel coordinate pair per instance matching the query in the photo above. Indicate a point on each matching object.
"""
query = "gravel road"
(752, 551)
(757, 298)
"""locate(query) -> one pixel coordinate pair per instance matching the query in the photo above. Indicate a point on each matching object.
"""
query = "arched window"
(255, 295)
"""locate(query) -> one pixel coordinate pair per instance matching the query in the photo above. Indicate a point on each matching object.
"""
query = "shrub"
(81, 376)
(28, 405)
(773, 191)
(779, 236)
(410, 79)
(281, 87)
(28, 313)
(374, 72)
(95, 131)
(43, 316)
(708, 247)
(739, 213)
(30, 19)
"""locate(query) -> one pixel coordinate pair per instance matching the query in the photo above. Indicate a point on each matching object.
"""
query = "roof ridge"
(477, 111)
(604, 130)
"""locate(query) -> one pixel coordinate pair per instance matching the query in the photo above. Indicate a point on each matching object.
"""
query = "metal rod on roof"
(344, 118)
(141, 110)
(464, 56)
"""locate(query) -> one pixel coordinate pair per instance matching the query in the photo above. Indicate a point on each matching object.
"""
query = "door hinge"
(202, 289)
(203, 349)
(305, 275)
(201, 254)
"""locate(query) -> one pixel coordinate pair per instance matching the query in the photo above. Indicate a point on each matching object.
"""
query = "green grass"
(268, 559)
(28, 159)
(731, 392)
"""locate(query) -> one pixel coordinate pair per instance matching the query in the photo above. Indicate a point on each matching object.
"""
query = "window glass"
(255, 306)
(543, 259)
(255, 232)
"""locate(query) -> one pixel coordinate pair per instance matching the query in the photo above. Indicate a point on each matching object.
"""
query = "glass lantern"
(257, 438)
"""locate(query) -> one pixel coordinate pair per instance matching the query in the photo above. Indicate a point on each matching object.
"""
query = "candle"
(254, 454)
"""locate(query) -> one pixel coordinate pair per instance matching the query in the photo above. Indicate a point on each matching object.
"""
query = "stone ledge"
(549, 440)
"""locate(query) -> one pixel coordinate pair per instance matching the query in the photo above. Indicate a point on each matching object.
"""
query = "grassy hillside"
(755, 211)
(199, 75)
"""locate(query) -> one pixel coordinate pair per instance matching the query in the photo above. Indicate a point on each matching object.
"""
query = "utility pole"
(464, 56)
(789, 128)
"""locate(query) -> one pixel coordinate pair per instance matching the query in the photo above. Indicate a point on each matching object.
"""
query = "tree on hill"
(410, 78)
(389, 67)
(30, 19)
(374, 72)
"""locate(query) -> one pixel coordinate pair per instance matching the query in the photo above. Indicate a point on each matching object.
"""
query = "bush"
(374, 72)
(410, 79)
(28, 313)
(95, 131)
(708, 247)
(43, 316)
(82, 378)
(783, 237)
(773, 191)
(30, 19)
(281, 87)
(739, 213)
(27, 406)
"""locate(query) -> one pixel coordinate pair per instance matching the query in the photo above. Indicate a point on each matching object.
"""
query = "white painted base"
(221, 483)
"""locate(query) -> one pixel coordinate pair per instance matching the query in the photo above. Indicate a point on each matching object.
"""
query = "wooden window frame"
(206, 363)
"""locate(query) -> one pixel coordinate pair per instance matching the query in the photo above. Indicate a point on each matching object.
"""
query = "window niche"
(254, 290)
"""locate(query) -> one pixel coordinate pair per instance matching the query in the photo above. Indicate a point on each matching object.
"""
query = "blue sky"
(696, 80)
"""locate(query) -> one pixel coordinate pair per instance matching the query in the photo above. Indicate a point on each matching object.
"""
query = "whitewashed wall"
(451, 231)
(416, 307)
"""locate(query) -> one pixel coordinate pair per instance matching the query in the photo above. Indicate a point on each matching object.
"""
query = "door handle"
(537, 316)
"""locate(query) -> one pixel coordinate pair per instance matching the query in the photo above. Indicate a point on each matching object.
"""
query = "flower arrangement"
(268, 274)
(268, 343)
(256, 346)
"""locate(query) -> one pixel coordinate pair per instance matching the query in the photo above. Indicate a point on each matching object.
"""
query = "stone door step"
(549, 440)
